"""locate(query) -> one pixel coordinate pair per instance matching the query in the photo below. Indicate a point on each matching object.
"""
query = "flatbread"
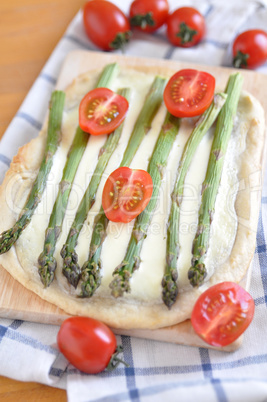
(138, 309)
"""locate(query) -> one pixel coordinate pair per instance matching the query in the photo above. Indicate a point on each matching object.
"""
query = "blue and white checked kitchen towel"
(28, 351)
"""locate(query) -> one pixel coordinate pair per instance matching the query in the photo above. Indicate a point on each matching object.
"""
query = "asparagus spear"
(71, 269)
(10, 236)
(158, 161)
(47, 262)
(109, 72)
(91, 269)
(197, 271)
(169, 281)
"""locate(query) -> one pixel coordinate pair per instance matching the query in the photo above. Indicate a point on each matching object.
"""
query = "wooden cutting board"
(16, 302)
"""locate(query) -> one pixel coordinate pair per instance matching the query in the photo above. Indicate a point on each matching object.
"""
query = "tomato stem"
(115, 361)
(142, 20)
(185, 33)
(240, 59)
(120, 40)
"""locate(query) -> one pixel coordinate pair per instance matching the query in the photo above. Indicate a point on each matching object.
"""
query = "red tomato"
(222, 313)
(88, 344)
(101, 111)
(149, 15)
(185, 27)
(250, 49)
(126, 194)
(105, 24)
(189, 93)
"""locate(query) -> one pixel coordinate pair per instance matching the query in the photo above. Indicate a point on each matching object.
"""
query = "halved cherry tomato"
(250, 49)
(126, 194)
(101, 111)
(88, 344)
(106, 25)
(189, 93)
(185, 27)
(222, 313)
(148, 15)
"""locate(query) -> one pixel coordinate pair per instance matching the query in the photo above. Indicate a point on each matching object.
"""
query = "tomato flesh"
(185, 27)
(189, 93)
(101, 111)
(149, 15)
(126, 194)
(86, 343)
(250, 49)
(222, 313)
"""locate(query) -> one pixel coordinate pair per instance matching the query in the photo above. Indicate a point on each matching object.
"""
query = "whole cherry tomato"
(149, 15)
(222, 313)
(250, 49)
(88, 344)
(105, 24)
(126, 194)
(101, 111)
(185, 27)
(189, 93)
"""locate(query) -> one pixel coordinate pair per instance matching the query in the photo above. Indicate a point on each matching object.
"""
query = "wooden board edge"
(182, 333)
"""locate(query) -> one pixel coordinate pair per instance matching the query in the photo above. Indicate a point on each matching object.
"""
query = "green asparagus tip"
(196, 274)
(120, 283)
(169, 288)
(71, 269)
(90, 278)
(47, 267)
(8, 238)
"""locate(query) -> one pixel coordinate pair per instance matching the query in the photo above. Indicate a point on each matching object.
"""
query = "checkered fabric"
(28, 351)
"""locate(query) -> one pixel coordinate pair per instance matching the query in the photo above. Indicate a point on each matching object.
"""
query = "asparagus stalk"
(92, 267)
(169, 281)
(10, 236)
(143, 124)
(197, 271)
(108, 74)
(47, 262)
(158, 161)
(71, 269)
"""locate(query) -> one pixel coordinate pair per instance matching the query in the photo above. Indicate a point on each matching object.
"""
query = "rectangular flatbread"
(234, 224)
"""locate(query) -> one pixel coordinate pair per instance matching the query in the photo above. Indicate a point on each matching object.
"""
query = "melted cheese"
(146, 281)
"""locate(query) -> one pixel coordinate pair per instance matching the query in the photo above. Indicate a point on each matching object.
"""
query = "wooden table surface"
(29, 31)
